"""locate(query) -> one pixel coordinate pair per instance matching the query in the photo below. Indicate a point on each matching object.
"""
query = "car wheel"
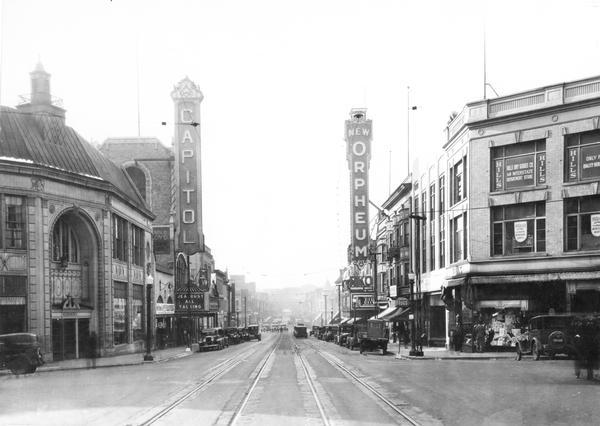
(535, 351)
(21, 365)
(384, 349)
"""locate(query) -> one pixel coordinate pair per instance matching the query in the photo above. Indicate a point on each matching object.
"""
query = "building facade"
(75, 253)
(506, 221)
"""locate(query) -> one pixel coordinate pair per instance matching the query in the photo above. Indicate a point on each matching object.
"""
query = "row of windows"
(524, 165)
(121, 231)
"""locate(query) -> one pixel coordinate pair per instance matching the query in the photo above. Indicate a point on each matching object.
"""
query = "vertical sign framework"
(187, 98)
(358, 153)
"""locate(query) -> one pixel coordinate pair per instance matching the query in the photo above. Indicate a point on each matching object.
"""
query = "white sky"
(279, 79)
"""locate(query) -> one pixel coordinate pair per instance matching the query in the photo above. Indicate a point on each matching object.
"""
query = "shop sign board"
(358, 153)
(402, 301)
(363, 301)
(161, 239)
(359, 283)
(595, 224)
(189, 301)
(393, 291)
(165, 308)
(590, 161)
(520, 171)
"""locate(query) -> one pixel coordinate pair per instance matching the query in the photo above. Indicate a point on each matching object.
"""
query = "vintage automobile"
(376, 337)
(359, 331)
(20, 352)
(330, 332)
(345, 332)
(212, 339)
(233, 336)
(314, 331)
(254, 332)
(243, 332)
(300, 331)
(546, 335)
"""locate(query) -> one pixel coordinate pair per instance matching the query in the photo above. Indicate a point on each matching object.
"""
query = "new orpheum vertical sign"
(358, 153)
(188, 179)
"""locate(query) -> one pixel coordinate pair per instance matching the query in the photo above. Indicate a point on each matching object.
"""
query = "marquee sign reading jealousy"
(358, 153)
(187, 97)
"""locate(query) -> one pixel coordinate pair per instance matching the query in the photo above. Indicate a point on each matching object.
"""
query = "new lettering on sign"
(358, 153)
(595, 224)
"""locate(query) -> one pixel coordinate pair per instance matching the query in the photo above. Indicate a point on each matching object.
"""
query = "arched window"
(65, 247)
(139, 179)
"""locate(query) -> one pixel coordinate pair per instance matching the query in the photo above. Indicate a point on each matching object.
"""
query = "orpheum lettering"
(358, 153)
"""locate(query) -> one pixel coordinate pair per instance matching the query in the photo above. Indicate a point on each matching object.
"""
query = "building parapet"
(545, 97)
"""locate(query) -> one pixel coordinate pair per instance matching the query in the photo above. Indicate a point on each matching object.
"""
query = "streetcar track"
(263, 364)
(357, 378)
(311, 385)
(213, 374)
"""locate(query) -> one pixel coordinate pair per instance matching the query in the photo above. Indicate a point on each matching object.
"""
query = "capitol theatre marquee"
(358, 153)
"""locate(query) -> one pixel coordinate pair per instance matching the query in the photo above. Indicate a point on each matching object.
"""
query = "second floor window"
(458, 238)
(519, 165)
(582, 156)
(65, 247)
(120, 238)
(519, 228)
(13, 222)
(137, 236)
(583, 223)
(458, 174)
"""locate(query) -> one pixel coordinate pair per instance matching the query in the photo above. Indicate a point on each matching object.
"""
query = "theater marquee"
(358, 153)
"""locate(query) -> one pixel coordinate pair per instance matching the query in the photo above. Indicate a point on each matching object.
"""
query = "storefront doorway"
(70, 338)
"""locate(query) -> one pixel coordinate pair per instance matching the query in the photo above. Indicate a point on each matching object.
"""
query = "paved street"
(283, 380)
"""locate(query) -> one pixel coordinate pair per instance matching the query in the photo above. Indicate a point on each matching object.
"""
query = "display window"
(120, 313)
(582, 223)
(137, 321)
(518, 229)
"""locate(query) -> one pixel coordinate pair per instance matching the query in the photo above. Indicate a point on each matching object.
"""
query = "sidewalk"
(434, 353)
(160, 355)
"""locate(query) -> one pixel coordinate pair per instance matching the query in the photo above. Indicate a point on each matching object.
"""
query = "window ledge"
(581, 182)
(580, 253)
(519, 256)
(512, 191)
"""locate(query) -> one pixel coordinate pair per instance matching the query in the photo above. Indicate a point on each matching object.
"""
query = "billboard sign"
(358, 137)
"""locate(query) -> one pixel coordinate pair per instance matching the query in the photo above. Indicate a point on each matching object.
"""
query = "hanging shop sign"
(363, 301)
(358, 153)
(189, 300)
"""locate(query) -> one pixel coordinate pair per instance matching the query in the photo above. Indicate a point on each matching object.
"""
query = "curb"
(453, 358)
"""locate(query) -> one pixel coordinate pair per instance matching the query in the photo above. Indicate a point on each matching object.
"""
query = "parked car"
(254, 332)
(233, 336)
(377, 336)
(244, 336)
(20, 352)
(300, 331)
(548, 335)
(345, 332)
(359, 331)
(314, 331)
(330, 332)
(212, 339)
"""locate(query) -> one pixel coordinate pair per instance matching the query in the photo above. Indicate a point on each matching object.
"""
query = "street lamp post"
(416, 351)
(149, 283)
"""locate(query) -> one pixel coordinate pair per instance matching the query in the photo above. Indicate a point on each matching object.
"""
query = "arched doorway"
(74, 286)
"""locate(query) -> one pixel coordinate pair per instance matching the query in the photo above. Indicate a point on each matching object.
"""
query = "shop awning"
(345, 321)
(401, 314)
(317, 318)
(356, 320)
(385, 312)
(336, 319)
(455, 282)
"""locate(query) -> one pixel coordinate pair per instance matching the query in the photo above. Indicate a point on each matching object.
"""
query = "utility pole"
(245, 314)
(325, 297)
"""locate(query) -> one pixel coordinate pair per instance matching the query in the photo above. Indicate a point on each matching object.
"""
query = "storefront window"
(13, 222)
(519, 165)
(120, 313)
(582, 156)
(13, 298)
(519, 228)
(583, 223)
(137, 324)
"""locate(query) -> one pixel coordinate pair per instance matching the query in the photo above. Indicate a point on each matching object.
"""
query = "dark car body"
(345, 332)
(243, 332)
(254, 332)
(548, 335)
(233, 336)
(376, 337)
(330, 333)
(20, 352)
(213, 338)
(300, 331)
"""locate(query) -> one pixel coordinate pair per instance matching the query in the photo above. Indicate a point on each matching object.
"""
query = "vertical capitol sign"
(188, 179)
(358, 153)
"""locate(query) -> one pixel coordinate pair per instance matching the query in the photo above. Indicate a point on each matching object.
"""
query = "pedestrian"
(92, 349)
(479, 331)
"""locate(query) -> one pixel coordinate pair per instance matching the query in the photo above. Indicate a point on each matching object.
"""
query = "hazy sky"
(279, 79)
